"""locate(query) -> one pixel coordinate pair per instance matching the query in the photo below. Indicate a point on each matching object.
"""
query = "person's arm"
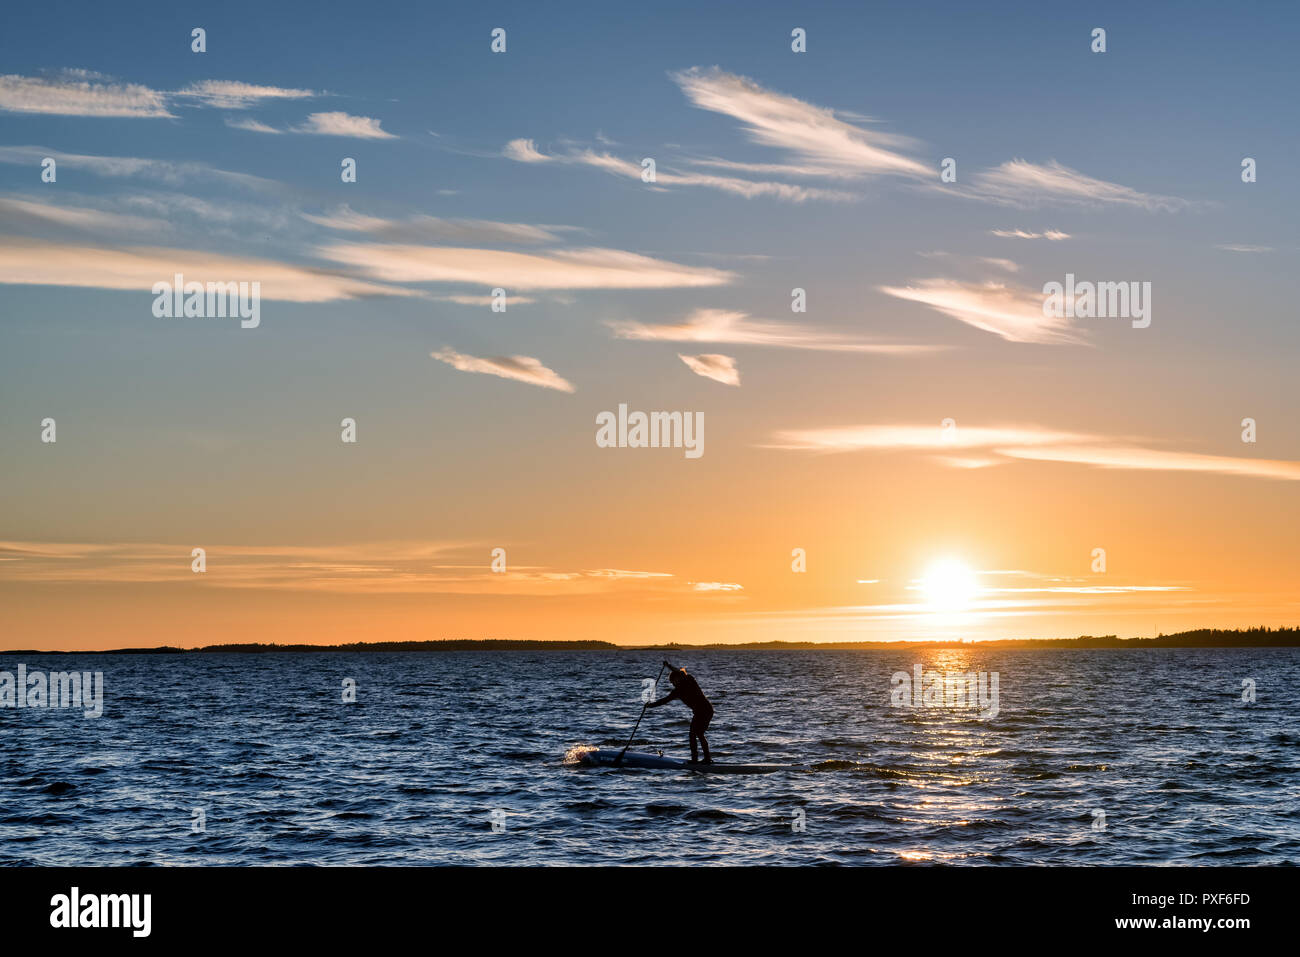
(664, 700)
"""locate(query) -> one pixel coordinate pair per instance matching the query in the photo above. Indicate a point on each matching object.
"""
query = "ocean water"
(439, 745)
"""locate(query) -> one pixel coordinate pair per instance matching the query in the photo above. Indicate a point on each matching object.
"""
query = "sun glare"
(948, 585)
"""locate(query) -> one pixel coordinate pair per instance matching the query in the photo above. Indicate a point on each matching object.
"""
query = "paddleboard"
(606, 757)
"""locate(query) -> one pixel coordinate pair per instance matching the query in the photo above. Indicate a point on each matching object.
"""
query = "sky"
(921, 452)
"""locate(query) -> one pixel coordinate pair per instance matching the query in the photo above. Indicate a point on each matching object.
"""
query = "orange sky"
(799, 274)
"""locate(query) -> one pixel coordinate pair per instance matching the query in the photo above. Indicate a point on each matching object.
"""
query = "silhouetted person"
(687, 690)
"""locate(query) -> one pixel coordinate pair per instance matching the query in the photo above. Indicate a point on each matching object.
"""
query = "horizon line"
(1217, 638)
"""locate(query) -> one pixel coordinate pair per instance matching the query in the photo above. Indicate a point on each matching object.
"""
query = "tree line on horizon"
(1259, 637)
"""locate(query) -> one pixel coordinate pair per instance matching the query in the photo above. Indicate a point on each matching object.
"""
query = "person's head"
(676, 675)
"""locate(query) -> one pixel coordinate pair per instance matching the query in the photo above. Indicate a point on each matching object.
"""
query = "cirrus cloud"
(526, 151)
(739, 328)
(996, 445)
(1018, 182)
(236, 95)
(822, 143)
(519, 368)
(27, 261)
(433, 228)
(589, 268)
(343, 124)
(80, 93)
(719, 368)
(1013, 312)
(1054, 235)
(375, 568)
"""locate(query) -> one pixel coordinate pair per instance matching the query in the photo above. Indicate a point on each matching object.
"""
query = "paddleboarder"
(687, 690)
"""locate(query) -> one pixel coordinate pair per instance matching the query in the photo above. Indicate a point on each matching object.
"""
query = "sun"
(949, 585)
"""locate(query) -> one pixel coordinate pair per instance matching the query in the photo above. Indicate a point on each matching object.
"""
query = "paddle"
(619, 760)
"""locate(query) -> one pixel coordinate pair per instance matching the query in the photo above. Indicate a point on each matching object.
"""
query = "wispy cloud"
(1243, 248)
(154, 213)
(1021, 183)
(1013, 312)
(168, 172)
(236, 95)
(86, 93)
(433, 229)
(484, 300)
(526, 151)
(1000, 444)
(1130, 457)
(822, 143)
(17, 211)
(137, 268)
(520, 368)
(363, 568)
(217, 216)
(251, 125)
(343, 124)
(1067, 585)
(739, 328)
(719, 368)
(71, 93)
(926, 437)
(1050, 234)
(590, 268)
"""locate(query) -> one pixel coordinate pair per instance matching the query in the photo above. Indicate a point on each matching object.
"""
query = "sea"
(1086, 757)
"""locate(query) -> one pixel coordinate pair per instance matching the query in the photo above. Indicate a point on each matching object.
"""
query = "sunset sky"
(775, 170)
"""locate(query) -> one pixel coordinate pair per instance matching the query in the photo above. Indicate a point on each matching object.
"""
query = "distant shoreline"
(1202, 638)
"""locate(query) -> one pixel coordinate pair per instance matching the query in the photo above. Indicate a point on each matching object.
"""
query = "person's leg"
(696, 732)
(704, 726)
